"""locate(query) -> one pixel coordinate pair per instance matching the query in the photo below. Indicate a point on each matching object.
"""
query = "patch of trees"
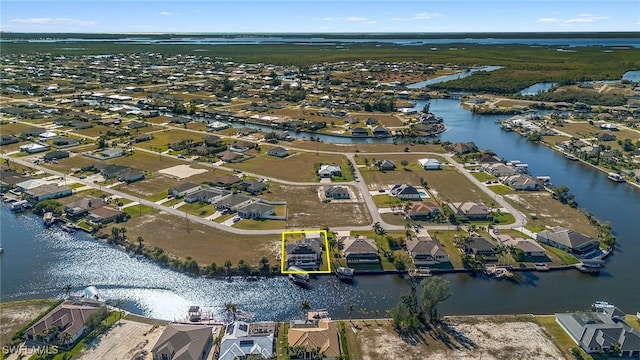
(45, 206)
(416, 310)
(563, 194)
(583, 96)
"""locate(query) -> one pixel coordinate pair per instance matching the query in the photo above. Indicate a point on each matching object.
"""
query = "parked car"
(236, 219)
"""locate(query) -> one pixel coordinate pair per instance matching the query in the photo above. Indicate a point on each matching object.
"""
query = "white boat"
(615, 177)
(345, 274)
(298, 276)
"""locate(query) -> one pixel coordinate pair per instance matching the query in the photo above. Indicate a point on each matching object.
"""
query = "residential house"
(81, 207)
(184, 189)
(7, 139)
(568, 240)
(142, 137)
(131, 176)
(530, 248)
(242, 146)
(112, 171)
(305, 253)
(183, 342)
(405, 192)
(336, 192)
(426, 251)
(212, 140)
(371, 121)
(229, 156)
(489, 159)
(597, 332)
(386, 165)
(227, 180)
(217, 125)
(500, 170)
(9, 178)
(470, 210)
(56, 155)
(33, 148)
(63, 142)
(242, 339)
(66, 318)
(207, 195)
(329, 170)
(479, 246)
(253, 186)
(278, 152)
(463, 148)
(423, 210)
(523, 182)
(430, 164)
(30, 183)
(104, 214)
(320, 336)
(48, 191)
(380, 131)
(232, 202)
(359, 132)
(256, 210)
(360, 250)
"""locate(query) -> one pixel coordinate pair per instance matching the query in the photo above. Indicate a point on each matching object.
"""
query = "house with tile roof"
(183, 342)
(314, 337)
(360, 250)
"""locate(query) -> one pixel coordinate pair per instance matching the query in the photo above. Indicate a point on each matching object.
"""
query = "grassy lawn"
(282, 344)
(501, 189)
(199, 209)
(504, 218)
(306, 210)
(203, 243)
(367, 148)
(251, 224)
(562, 256)
(143, 160)
(162, 139)
(446, 237)
(386, 200)
(483, 176)
(139, 210)
(560, 337)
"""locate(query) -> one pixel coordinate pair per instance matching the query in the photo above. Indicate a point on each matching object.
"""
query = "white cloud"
(547, 20)
(425, 16)
(398, 19)
(166, 13)
(586, 18)
(370, 22)
(54, 21)
(332, 19)
(356, 18)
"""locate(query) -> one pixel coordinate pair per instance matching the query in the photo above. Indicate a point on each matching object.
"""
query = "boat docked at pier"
(298, 276)
(615, 177)
(345, 274)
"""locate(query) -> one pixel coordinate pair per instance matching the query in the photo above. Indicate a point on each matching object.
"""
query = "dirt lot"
(16, 314)
(126, 340)
(501, 337)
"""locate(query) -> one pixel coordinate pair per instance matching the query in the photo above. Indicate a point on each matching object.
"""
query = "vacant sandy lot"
(126, 340)
(16, 314)
(182, 171)
(467, 338)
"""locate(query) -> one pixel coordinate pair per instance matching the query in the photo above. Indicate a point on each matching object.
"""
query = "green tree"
(435, 290)
(350, 308)
(404, 164)
(563, 194)
(67, 290)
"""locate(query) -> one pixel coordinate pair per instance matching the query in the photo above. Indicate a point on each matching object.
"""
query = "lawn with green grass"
(501, 189)
(560, 337)
(483, 176)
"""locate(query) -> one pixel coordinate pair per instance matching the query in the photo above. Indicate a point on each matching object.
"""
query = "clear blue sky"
(318, 16)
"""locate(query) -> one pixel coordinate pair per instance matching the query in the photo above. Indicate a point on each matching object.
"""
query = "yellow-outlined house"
(325, 255)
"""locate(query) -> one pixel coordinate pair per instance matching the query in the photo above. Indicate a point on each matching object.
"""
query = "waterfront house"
(278, 152)
(184, 189)
(104, 214)
(182, 342)
(429, 164)
(597, 332)
(329, 170)
(305, 253)
(500, 170)
(66, 318)
(568, 240)
(319, 336)
(423, 210)
(530, 248)
(256, 210)
(336, 192)
(217, 125)
(48, 191)
(460, 148)
(481, 247)
(425, 251)
(488, 159)
(470, 210)
(405, 192)
(10, 178)
(242, 339)
(380, 131)
(522, 182)
(81, 207)
(359, 132)
(360, 250)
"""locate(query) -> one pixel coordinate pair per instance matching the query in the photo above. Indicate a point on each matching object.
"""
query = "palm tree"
(65, 338)
(363, 313)
(228, 265)
(231, 308)
(350, 308)
(140, 241)
(305, 305)
(67, 290)
(118, 304)
(376, 313)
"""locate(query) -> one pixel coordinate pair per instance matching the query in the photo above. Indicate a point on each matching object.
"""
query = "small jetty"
(541, 266)
(49, 219)
(421, 273)
(500, 272)
(345, 274)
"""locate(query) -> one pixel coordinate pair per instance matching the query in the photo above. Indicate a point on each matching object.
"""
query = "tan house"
(66, 318)
(183, 342)
(360, 250)
(426, 251)
(314, 337)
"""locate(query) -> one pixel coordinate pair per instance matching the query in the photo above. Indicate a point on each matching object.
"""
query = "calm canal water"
(38, 263)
